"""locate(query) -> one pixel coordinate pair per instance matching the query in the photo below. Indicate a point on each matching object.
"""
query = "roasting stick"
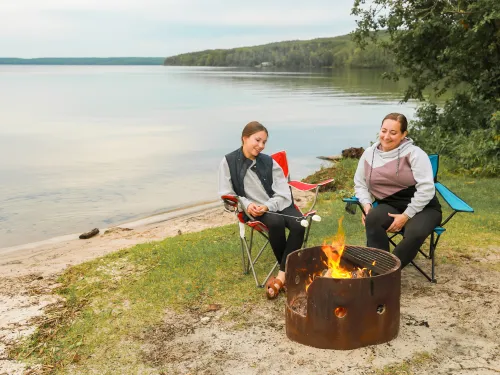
(302, 219)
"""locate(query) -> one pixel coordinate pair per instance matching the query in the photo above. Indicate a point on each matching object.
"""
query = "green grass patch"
(411, 366)
(110, 301)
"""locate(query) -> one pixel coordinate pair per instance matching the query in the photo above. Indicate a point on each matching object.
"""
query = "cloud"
(161, 27)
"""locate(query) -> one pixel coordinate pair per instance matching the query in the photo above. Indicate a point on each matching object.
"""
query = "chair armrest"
(230, 200)
(351, 200)
(304, 186)
(452, 199)
(233, 203)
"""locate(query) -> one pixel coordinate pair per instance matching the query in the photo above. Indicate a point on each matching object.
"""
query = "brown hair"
(252, 128)
(403, 122)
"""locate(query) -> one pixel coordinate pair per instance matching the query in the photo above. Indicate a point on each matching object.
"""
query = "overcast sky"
(102, 28)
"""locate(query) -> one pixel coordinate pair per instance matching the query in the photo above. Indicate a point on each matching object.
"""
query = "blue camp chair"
(456, 204)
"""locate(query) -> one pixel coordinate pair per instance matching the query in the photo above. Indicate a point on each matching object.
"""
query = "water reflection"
(82, 147)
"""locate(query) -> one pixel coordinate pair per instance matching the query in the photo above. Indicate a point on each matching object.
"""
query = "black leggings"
(280, 244)
(416, 230)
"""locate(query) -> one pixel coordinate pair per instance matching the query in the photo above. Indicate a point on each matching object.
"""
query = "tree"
(440, 46)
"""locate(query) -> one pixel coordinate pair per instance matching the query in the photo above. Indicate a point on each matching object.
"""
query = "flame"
(309, 282)
(333, 252)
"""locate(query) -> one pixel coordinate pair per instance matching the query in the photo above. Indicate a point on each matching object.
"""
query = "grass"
(411, 366)
(110, 301)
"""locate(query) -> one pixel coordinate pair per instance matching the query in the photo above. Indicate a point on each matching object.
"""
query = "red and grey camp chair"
(454, 202)
(233, 203)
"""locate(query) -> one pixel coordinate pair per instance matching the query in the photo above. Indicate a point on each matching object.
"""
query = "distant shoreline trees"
(83, 61)
(337, 52)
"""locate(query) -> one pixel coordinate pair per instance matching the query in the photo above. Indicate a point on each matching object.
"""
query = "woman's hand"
(252, 210)
(262, 209)
(255, 210)
(399, 222)
(366, 207)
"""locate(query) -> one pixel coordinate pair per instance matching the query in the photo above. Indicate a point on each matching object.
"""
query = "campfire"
(333, 249)
(341, 296)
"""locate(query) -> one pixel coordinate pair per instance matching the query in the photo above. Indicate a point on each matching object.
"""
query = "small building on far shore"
(264, 64)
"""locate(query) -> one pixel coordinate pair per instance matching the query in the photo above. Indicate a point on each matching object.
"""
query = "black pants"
(416, 230)
(277, 238)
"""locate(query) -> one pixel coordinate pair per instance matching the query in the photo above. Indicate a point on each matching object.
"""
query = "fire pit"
(328, 312)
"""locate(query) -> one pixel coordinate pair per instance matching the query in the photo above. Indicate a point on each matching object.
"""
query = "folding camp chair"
(233, 203)
(454, 202)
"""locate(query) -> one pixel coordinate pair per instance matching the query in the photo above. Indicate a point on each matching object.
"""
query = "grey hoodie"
(401, 177)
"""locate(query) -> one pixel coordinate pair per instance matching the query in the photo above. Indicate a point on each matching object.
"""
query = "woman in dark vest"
(260, 183)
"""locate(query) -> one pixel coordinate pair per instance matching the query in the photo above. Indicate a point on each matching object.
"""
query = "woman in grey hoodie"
(398, 176)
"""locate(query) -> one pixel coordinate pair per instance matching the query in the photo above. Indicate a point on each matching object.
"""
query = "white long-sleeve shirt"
(254, 190)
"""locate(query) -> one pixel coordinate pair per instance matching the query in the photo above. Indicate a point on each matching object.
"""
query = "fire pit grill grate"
(359, 256)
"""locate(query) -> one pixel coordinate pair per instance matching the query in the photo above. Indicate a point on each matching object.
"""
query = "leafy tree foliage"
(317, 53)
(438, 44)
(445, 45)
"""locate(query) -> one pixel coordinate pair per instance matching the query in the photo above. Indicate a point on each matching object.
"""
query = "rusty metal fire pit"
(343, 313)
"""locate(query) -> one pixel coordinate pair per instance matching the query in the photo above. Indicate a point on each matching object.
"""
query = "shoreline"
(52, 256)
(147, 220)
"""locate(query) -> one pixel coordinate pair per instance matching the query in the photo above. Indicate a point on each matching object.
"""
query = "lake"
(95, 146)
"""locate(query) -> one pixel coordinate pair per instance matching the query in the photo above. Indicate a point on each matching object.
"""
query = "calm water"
(93, 146)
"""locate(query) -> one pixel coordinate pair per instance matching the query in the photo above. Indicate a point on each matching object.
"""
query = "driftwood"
(116, 229)
(352, 153)
(330, 158)
(87, 235)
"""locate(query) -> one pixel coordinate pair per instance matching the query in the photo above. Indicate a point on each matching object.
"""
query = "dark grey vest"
(238, 166)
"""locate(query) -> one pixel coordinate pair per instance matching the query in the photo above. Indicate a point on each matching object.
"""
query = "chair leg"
(432, 280)
(247, 259)
(250, 263)
(433, 244)
(269, 275)
(432, 252)
(244, 259)
(424, 254)
(391, 241)
(432, 249)
(260, 252)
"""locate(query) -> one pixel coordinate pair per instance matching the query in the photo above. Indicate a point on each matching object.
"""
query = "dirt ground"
(455, 323)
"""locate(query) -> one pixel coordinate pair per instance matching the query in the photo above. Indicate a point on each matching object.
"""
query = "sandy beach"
(29, 272)
(455, 321)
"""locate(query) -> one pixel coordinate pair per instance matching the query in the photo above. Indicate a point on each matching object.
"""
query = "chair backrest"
(280, 158)
(434, 158)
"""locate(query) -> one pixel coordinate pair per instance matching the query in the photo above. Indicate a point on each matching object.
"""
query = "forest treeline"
(333, 52)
